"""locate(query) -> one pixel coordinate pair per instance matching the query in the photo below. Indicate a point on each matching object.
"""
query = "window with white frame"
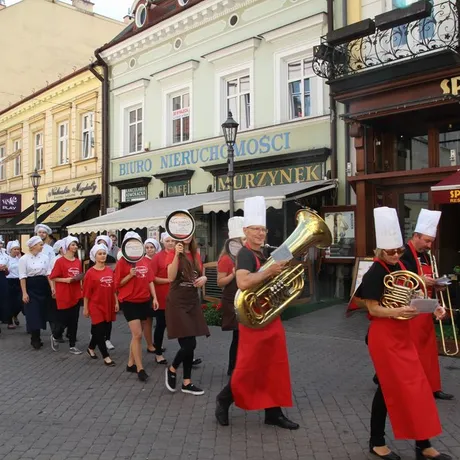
(180, 117)
(299, 88)
(38, 143)
(2, 162)
(88, 135)
(63, 143)
(135, 129)
(17, 165)
(238, 100)
(16, 145)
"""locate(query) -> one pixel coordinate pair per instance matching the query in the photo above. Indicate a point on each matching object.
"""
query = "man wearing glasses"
(261, 378)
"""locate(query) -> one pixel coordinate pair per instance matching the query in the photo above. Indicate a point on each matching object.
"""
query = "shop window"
(299, 89)
(410, 205)
(2, 162)
(180, 117)
(63, 143)
(449, 148)
(87, 135)
(411, 153)
(238, 100)
(38, 143)
(135, 129)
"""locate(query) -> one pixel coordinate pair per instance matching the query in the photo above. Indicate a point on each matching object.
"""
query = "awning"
(54, 214)
(153, 213)
(448, 190)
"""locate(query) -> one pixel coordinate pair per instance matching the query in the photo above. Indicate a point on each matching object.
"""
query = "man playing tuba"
(257, 382)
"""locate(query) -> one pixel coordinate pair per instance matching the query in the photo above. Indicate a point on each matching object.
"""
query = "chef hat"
(57, 246)
(154, 242)
(132, 235)
(11, 245)
(94, 249)
(427, 222)
(43, 227)
(33, 241)
(165, 235)
(387, 230)
(254, 211)
(67, 241)
(106, 239)
(235, 227)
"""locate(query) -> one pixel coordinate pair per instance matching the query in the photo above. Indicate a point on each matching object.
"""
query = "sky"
(113, 8)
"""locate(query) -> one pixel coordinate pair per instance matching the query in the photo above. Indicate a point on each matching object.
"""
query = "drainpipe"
(347, 110)
(105, 128)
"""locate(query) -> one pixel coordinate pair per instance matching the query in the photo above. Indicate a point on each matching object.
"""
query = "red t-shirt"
(160, 270)
(99, 289)
(225, 265)
(137, 289)
(170, 258)
(67, 295)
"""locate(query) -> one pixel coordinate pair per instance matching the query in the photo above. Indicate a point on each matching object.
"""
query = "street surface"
(55, 406)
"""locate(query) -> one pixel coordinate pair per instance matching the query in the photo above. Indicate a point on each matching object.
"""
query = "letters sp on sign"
(454, 196)
(450, 86)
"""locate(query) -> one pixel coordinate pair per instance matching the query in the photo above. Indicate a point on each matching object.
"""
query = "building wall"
(43, 39)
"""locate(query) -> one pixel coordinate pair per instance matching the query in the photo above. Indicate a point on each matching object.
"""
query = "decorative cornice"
(131, 183)
(138, 84)
(251, 44)
(180, 68)
(172, 176)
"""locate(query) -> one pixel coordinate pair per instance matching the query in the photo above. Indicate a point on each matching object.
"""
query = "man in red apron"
(417, 260)
(257, 382)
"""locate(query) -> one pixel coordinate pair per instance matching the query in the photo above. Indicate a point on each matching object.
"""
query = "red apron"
(423, 333)
(405, 387)
(261, 378)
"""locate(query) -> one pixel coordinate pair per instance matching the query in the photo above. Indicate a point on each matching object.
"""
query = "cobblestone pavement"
(58, 406)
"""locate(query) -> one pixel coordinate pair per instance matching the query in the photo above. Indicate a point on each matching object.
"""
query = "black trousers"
(185, 355)
(98, 338)
(108, 330)
(159, 333)
(232, 352)
(68, 318)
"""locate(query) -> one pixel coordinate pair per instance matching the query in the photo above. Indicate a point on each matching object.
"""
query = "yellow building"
(58, 132)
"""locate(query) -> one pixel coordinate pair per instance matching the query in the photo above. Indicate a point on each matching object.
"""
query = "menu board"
(362, 265)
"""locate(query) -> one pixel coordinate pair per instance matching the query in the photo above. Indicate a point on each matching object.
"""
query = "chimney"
(84, 5)
(2, 5)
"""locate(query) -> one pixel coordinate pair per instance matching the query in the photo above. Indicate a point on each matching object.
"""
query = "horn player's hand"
(407, 312)
(440, 312)
(276, 268)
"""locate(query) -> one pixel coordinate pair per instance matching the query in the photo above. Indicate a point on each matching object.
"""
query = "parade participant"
(226, 279)
(134, 284)
(99, 301)
(403, 388)
(37, 288)
(152, 246)
(45, 233)
(4, 306)
(2, 244)
(417, 260)
(67, 274)
(56, 330)
(184, 315)
(13, 249)
(258, 382)
(160, 272)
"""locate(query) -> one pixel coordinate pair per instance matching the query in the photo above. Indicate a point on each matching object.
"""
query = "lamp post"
(35, 179)
(230, 129)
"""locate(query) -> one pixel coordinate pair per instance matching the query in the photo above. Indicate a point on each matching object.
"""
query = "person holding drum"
(226, 279)
(184, 316)
(134, 283)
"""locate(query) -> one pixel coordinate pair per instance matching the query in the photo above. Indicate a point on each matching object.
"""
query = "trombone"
(444, 300)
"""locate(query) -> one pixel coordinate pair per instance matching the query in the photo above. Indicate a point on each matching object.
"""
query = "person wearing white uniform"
(4, 309)
(45, 232)
(36, 287)
(13, 249)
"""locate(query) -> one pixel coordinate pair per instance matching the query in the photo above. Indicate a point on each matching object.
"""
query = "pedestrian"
(404, 389)
(184, 315)
(13, 249)
(37, 289)
(99, 301)
(4, 305)
(67, 274)
(226, 279)
(134, 284)
(114, 249)
(45, 233)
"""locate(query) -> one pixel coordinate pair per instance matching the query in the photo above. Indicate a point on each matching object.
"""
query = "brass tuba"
(259, 306)
(400, 288)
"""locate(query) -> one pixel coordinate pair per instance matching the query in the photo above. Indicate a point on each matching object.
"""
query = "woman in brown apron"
(184, 316)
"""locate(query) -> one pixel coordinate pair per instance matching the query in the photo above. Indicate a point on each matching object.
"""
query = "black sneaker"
(142, 375)
(192, 389)
(170, 380)
(132, 369)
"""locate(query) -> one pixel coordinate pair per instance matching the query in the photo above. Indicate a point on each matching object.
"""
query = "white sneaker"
(54, 343)
(75, 351)
(109, 345)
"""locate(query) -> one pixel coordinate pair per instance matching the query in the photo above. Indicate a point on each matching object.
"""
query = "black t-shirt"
(409, 261)
(372, 286)
(246, 259)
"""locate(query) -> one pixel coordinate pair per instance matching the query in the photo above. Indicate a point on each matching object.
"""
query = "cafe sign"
(177, 188)
(83, 188)
(10, 203)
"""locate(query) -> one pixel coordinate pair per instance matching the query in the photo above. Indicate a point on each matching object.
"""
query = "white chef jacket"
(30, 265)
(13, 267)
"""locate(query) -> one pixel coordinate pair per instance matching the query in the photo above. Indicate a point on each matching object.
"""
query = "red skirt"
(407, 392)
(261, 378)
(424, 337)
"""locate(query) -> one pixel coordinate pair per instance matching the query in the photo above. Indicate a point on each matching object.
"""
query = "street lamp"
(230, 129)
(35, 179)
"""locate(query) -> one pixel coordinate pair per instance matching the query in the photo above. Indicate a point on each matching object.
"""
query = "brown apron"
(229, 321)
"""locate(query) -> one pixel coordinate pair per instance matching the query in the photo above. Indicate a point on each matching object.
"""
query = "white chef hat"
(165, 235)
(33, 241)
(67, 241)
(132, 235)
(11, 245)
(387, 230)
(254, 211)
(235, 227)
(43, 227)
(95, 249)
(154, 242)
(106, 239)
(57, 246)
(427, 222)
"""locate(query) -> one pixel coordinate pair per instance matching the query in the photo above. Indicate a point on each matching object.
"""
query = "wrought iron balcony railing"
(439, 31)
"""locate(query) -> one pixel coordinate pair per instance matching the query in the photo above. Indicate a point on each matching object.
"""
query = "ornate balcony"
(438, 31)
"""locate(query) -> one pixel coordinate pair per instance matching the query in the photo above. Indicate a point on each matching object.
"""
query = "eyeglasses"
(258, 229)
(392, 252)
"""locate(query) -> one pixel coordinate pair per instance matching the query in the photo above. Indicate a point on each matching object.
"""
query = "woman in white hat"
(404, 390)
(226, 279)
(13, 249)
(45, 233)
(34, 270)
(4, 306)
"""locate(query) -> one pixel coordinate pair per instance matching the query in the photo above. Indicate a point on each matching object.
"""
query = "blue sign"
(246, 147)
